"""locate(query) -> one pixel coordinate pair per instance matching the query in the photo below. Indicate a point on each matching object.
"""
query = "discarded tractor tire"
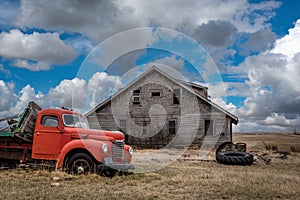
(234, 158)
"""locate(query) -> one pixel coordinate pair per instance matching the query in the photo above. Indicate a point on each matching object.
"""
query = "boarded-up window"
(176, 96)
(209, 127)
(136, 97)
(122, 125)
(172, 127)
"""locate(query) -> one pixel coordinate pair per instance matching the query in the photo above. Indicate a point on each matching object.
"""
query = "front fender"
(92, 146)
(127, 156)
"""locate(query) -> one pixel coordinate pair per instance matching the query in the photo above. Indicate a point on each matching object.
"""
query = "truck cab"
(63, 137)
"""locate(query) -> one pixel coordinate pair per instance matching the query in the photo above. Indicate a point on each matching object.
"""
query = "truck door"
(47, 138)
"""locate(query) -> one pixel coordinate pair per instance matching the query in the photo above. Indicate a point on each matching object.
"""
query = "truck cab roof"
(57, 111)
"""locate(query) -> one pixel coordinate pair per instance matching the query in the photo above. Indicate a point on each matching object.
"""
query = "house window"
(122, 125)
(144, 128)
(155, 94)
(209, 127)
(136, 96)
(176, 96)
(172, 127)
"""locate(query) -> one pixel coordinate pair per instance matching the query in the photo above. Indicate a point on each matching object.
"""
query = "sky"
(77, 53)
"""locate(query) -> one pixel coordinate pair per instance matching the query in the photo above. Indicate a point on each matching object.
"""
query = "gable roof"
(181, 83)
(192, 84)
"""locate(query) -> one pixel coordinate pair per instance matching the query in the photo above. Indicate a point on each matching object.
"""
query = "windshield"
(77, 121)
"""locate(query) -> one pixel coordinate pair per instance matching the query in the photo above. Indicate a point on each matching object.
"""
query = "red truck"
(62, 139)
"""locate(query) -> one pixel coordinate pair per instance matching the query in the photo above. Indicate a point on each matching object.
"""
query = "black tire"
(81, 163)
(234, 158)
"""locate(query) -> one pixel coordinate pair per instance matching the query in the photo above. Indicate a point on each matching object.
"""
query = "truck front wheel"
(81, 163)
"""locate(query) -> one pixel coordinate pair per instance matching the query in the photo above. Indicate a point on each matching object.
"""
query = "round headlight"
(104, 148)
(130, 151)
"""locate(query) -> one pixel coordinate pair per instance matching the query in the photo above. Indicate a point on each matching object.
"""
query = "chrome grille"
(117, 149)
(126, 158)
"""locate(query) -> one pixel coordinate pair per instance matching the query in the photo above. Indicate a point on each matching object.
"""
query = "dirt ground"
(187, 178)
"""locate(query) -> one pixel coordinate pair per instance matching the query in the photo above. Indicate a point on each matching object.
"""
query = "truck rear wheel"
(81, 163)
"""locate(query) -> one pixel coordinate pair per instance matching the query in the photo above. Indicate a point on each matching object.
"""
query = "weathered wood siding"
(155, 112)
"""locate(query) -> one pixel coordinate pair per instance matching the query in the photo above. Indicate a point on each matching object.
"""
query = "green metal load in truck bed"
(23, 129)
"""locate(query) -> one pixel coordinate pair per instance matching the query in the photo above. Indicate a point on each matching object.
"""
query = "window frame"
(50, 117)
(159, 92)
(176, 98)
(210, 130)
(144, 125)
(172, 129)
(79, 116)
(137, 95)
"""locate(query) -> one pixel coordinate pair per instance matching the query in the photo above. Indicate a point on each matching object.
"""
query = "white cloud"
(276, 119)
(273, 101)
(33, 66)
(272, 83)
(121, 44)
(172, 61)
(171, 65)
(26, 95)
(226, 89)
(76, 93)
(69, 93)
(5, 71)
(41, 48)
(101, 86)
(245, 16)
(96, 19)
(83, 95)
(7, 95)
(253, 126)
(12, 103)
(289, 44)
(229, 107)
(272, 92)
(80, 44)
(99, 20)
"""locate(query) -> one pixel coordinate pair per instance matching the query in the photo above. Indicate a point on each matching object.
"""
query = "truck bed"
(21, 131)
(11, 137)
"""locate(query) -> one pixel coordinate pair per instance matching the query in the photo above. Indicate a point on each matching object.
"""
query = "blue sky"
(47, 53)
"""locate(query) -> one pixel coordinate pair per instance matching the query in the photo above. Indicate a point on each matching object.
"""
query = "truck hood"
(80, 133)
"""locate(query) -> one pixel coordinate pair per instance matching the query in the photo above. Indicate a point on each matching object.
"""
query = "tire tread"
(234, 158)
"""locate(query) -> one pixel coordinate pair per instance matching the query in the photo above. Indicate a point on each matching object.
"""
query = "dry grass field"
(284, 141)
(192, 179)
